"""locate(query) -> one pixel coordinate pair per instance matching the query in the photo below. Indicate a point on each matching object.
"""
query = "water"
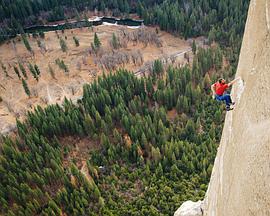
(83, 23)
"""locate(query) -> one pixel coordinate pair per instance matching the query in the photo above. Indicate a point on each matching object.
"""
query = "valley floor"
(83, 67)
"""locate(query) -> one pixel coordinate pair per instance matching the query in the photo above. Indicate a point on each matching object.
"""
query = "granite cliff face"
(240, 181)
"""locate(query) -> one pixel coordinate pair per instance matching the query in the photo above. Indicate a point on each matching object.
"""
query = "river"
(83, 23)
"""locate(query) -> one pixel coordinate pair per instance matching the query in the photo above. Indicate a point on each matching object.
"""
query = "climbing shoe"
(229, 108)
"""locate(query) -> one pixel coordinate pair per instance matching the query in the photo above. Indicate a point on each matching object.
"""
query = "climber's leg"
(227, 99)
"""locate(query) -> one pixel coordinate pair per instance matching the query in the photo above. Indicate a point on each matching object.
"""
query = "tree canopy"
(144, 160)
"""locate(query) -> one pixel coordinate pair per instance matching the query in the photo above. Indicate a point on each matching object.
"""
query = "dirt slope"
(240, 179)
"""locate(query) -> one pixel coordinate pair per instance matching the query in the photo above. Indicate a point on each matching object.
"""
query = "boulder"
(190, 208)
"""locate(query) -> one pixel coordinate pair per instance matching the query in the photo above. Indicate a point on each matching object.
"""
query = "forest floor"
(82, 68)
(172, 114)
(78, 150)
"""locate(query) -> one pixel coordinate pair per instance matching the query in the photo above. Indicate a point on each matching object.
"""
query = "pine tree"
(150, 87)
(88, 24)
(89, 125)
(26, 43)
(76, 41)
(54, 206)
(25, 87)
(23, 70)
(212, 35)
(63, 45)
(206, 81)
(4, 69)
(37, 70)
(17, 72)
(185, 105)
(61, 64)
(159, 170)
(97, 42)
(41, 34)
(115, 42)
(194, 47)
(126, 7)
(39, 43)
(179, 105)
(33, 71)
(158, 67)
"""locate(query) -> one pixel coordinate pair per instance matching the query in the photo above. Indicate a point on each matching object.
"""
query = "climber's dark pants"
(226, 98)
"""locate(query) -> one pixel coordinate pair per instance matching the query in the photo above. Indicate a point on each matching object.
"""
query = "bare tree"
(173, 58)
(79, 66)
(84, 59)
(141, 35)
(113, 60)
(51, 71)
(34, 91)
(42, 46)
(14, 47)
(186, 56)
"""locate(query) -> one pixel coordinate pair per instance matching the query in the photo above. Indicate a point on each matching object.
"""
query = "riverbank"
(96, 21)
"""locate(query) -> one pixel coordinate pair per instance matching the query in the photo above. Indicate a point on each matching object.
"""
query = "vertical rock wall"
(240, 181)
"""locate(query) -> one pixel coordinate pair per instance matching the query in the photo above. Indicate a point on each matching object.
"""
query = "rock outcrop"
(190, 208)
(239, 184)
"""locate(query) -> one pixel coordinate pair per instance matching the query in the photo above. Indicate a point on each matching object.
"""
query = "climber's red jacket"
(220, 88)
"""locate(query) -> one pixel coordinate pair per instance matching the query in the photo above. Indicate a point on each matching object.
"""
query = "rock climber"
(218, 90)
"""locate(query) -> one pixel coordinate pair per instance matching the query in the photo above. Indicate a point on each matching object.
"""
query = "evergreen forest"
(141, 160)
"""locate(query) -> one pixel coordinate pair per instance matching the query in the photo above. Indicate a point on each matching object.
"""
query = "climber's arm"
(234, 81)
(213, 90)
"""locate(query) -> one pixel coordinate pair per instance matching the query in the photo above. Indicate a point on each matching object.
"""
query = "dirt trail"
(144, 70)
